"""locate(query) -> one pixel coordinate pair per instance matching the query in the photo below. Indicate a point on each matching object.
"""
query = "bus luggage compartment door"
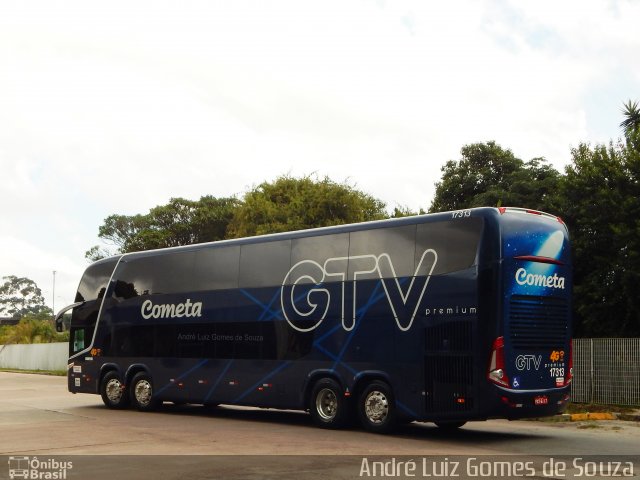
(449, 368)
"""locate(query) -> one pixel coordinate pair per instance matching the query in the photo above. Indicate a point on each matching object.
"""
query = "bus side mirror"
(59, 320)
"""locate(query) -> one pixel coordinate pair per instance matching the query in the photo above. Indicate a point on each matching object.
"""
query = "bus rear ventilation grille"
(537, 322)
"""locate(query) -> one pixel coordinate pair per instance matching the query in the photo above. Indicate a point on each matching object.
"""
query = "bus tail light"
(570, 376)
(496, 373)
(569, 373)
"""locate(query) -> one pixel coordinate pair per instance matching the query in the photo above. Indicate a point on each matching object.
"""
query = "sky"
(116, 107)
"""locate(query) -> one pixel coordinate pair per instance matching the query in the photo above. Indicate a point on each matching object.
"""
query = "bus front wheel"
(113, 391)
(328, 405)
(376, 407)
(142, 392)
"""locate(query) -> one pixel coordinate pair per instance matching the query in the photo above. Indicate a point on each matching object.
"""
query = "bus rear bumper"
(514, 405)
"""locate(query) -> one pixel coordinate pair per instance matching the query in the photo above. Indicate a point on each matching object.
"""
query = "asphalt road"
(40, 419)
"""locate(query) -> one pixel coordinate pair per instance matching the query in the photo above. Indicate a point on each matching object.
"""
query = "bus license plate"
(541, 400)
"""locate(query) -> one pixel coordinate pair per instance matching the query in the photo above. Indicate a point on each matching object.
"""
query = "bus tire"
(449, 426)
(377, 408)
(328, 405)
(113, 391)
(142, 392)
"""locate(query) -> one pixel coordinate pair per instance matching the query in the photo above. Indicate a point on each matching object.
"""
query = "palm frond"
(631, 111)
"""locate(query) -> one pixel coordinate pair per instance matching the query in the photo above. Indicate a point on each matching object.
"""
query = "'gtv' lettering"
(404, 303)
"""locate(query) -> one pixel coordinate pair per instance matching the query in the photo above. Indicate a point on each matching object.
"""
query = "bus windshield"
(88, 300)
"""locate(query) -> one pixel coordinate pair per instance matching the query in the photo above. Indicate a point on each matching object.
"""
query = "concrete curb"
(579, 417)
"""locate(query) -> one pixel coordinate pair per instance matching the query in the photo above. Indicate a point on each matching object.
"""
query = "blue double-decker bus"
(444, 318)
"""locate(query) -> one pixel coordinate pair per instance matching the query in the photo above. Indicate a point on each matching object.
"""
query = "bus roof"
(493, 213)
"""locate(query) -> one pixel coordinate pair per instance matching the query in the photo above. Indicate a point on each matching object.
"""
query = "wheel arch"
(133, 369)
(311, 380)
(362, 379)
(109, 367)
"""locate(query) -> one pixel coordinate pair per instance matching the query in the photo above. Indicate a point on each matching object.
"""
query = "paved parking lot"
(39, 417)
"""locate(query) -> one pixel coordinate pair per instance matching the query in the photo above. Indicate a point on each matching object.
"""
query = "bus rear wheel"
(328, 405)
(113, 391)
(142, 392)
(376, 407)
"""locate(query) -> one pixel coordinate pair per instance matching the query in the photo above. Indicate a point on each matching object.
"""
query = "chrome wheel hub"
(114, 390)
(326, 404)
(376, 407)
(143, 392)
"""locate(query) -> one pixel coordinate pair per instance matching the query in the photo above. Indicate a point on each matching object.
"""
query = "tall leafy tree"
(631, 122)
(601, 204)
(20, 296)
(489, 175)
(180, 222)
(297, 203)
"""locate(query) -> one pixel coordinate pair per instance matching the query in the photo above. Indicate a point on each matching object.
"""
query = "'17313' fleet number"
(461, 214)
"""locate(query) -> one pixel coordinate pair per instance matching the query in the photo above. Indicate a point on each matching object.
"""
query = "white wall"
(36, 356)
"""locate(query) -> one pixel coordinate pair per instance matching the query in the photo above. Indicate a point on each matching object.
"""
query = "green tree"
(404, 211)
(601, 205)
(180, 222)
(297, 203)
(488, 175)
(32, 328)
(97, 252)
(631, 123)
(20, 296)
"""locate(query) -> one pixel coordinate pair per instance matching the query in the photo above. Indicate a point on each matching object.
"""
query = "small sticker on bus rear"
(77, 369)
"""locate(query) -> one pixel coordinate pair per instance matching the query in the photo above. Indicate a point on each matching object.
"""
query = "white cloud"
(20, 257)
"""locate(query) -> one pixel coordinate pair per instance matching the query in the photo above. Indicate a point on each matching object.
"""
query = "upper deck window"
(95, 279)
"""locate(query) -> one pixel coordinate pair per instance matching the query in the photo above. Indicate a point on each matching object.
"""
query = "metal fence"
(35, 356)
(606, 370)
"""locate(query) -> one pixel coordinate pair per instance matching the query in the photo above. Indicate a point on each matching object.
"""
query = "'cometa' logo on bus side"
(171, 310)
(535, 280)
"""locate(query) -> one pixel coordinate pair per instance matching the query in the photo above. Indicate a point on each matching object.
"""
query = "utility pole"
(53, 303)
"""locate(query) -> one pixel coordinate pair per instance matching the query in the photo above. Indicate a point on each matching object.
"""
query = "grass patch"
(597, 408)
(589, 426)
(57, 373)
(553, 419)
